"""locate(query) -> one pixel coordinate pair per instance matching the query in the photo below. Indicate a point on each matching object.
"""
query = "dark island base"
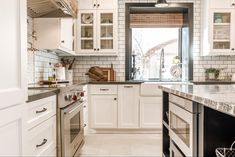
(219, 131)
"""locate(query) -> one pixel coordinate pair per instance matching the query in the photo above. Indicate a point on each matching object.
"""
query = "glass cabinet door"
(106, 31)
(221, 32)
(87, 31)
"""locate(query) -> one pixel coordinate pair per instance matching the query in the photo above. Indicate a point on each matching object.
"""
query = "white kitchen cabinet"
(85, 108)
(128, 106)
(55, 34)
(12, 131)
(97, 4)
(151, 112)
(42, 138)
(13, 84)
(41, 127)
(225, 4)
(217, 33)
(40, 110)
(103, 111)
(97, 32)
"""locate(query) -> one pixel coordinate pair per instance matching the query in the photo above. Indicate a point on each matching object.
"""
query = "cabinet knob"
(233, 4)
(115, 98)
(94, 5)
(98, 5)
(62, 41)
(98, 49)
(84, 125)
(232, 49)
(94, 49)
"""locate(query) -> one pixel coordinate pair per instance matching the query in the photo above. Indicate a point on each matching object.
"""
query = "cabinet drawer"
(104, 89)
(150, 89)
(41, 110)
(42, 138)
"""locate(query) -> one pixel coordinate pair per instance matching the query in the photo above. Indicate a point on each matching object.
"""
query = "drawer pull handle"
(128, 86)
(43, 110)
(104, 89)
(43, 142)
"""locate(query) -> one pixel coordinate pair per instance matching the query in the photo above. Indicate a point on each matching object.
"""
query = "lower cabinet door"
(151, 112)
(103, 111)
(128, 106)
(12, 131)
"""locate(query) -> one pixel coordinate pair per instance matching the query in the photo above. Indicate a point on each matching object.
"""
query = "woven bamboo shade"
(156, 20)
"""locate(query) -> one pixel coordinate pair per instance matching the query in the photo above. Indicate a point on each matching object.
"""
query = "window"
(149, 32)
(154, 51)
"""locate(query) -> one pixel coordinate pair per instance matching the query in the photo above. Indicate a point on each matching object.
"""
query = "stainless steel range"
(70, 130)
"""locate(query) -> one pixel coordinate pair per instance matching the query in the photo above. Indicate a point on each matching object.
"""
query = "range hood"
(52, 8)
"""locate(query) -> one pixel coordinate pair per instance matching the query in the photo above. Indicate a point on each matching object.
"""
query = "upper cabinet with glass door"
(218, 33)
(222, 32)
(97, 28)
(106, 31)
(86, 31)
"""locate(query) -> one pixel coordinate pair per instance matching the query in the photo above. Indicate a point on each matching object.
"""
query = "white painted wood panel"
(218, 4)
(151, 112)
(103, 111)
(150, 89)
(107, 4)
(12, 131)
(66, 33)
(13, 30)
(103, 89)
(128, 106)
(41, 110)
(87, 4)
(43, 133)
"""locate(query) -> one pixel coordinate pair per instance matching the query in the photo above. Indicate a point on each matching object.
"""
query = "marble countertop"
(218, 97)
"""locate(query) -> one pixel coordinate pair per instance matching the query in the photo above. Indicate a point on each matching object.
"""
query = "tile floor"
(141, 145)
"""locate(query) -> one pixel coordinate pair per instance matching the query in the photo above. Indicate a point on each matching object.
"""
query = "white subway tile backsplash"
(38, 63)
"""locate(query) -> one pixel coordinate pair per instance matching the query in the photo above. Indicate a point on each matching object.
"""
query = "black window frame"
(149, 7)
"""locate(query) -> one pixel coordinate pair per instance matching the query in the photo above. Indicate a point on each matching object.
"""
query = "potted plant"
(212, 73)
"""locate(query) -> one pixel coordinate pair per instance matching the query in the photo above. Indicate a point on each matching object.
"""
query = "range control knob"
(66, 97)
(82, 94)
(75, 97)
(77, 94)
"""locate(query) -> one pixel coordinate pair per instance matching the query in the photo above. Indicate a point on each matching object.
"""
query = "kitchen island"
(197, 119)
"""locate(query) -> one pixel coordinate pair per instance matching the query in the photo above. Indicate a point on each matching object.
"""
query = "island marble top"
(218, 97)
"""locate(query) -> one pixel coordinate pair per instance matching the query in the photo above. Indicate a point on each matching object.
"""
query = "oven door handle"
(71, 111)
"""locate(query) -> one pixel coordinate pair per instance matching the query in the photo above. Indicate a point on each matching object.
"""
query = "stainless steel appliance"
(70, 121)
(183, 124)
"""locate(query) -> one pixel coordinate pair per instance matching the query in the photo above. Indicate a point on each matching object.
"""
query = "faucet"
(133, 69)
(162, 66)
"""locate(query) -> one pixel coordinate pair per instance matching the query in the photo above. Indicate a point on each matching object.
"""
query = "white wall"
(82, 64)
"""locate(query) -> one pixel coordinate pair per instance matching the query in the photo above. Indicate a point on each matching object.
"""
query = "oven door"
(72, 129)
(182, 129)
